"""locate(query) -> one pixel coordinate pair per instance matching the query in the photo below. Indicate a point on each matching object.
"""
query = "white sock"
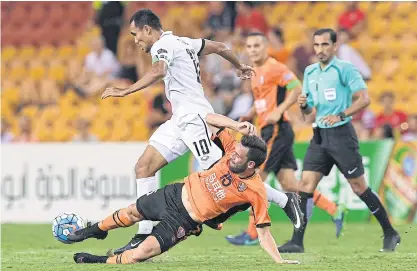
(276, 196)
(145, 227)
(144, 186)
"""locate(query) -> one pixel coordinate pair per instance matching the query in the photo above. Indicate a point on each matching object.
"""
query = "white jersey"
(182, 82)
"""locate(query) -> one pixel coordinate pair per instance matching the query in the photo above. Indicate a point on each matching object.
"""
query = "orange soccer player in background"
(270, 85)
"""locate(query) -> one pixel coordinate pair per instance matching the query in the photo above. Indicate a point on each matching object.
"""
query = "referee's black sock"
(298, 235)
(378, 210)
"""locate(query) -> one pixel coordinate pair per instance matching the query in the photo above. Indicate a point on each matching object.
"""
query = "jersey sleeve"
(225, 139)
(307, 91)
(162, 51)
(197, 44)
(354, 79)
(286, 78)
(259, 201)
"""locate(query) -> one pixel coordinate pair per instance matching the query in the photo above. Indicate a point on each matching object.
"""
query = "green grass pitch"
(32, 248)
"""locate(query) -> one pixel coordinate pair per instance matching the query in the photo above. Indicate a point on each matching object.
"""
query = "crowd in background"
(115, 60)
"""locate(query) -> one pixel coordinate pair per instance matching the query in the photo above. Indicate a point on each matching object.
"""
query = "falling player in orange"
(270, 86)
(208, 197)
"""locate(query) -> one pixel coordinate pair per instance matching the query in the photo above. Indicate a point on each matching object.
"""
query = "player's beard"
(237, 169)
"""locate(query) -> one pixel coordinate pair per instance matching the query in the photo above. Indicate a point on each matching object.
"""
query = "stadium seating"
(41, 54)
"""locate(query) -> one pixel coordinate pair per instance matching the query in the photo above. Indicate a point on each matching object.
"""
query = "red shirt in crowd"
(255, 21)
(394, 120)
(350, 18)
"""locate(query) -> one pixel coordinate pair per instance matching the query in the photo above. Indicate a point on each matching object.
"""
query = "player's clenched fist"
(113, 92)
(246, 128)
(302, 100)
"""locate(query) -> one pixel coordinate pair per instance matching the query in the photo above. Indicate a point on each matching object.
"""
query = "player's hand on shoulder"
(113, 92)
(245, 72)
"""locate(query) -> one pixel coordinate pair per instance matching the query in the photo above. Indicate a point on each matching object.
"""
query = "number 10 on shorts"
(201, 147)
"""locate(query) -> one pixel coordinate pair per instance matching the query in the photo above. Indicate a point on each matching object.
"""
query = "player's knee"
(358, 186)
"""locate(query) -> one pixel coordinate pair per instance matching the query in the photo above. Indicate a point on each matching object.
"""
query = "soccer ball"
(64, 224)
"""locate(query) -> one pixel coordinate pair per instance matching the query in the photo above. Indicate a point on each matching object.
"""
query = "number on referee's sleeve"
(203, 147)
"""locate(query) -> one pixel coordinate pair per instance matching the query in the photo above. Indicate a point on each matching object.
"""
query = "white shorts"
(189, 132)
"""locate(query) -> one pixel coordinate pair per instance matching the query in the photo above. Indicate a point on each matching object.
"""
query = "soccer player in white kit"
(175, 60)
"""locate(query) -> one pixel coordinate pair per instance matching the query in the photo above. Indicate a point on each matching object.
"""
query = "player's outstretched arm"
(217, 121)
(157, 72)
(268, 244)
(214, 47)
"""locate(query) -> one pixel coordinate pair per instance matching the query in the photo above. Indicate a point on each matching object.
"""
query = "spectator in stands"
(84, 134)
(26, 132)
(411, 133)
(215, 100)
(227, 79)
(364, 123)
(219, 21)
(101, 61)
(352, 19)
(100, 69)
(110, 20)
(249, 20)
(277, 48)
(347, 53)
(389, 116)
(160, 111)
(242, 103)
(303, 55)
(6, 135)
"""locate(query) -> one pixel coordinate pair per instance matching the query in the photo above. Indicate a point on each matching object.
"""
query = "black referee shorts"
(165, 205)
(279, 139)
(335, 146)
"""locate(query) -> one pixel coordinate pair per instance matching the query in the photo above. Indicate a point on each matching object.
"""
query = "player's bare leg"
(147, 249)
(122, 218)
(146, 167)
(361, 189)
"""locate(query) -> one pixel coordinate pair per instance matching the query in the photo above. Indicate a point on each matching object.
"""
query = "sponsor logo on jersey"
(162, 51)
(241, 187)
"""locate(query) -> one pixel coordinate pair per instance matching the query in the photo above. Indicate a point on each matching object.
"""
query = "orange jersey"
(269, 87)
(216, 191)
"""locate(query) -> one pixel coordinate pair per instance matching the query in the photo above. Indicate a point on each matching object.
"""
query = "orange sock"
(124, 258)
(252, 227)
(118, 219)
(324, 203)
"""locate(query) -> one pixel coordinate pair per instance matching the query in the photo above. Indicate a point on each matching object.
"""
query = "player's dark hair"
(257, 149)
(321, 31)
(146, 17)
